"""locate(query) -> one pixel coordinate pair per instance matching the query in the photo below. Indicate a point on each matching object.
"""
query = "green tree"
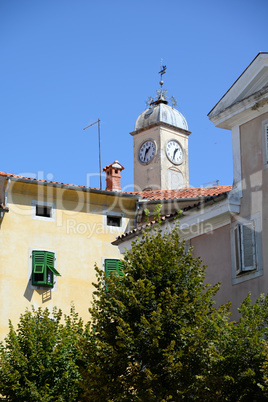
(243, 368)
(155, 331)
(38, 360)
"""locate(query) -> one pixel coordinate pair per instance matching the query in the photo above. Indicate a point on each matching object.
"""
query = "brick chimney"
(113, 176)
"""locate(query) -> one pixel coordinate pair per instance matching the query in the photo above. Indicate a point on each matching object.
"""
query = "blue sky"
(66, 63)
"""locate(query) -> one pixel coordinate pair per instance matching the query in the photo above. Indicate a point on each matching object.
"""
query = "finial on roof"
(162, 72)
(161, 98)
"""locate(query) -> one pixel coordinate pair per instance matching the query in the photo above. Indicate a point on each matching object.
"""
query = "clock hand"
(176, 150)
(146, 152)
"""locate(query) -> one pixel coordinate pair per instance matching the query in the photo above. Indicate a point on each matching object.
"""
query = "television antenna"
(98, 121)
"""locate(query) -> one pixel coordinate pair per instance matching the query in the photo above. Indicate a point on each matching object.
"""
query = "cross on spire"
(161, 98)
(162, 72)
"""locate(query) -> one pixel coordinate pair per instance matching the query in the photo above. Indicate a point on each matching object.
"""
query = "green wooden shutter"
(43, 270)
(38, 268)
(120, 266)
(113, 267)
(38, 262)
(50, 262)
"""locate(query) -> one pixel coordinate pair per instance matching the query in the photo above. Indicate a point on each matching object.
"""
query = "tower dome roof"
(161, 112)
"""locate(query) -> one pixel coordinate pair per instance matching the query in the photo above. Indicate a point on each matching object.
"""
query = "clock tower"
(160, 142)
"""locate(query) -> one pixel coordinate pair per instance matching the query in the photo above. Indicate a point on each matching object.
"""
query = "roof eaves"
(160, 123)
(69, 186)
(166, 200)
(168, 218)
(134, 232)
(209, 113)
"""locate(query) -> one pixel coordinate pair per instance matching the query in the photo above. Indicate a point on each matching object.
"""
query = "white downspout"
(6, 191)
(5, 196)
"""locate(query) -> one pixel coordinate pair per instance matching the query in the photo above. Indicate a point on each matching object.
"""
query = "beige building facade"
(51, 236)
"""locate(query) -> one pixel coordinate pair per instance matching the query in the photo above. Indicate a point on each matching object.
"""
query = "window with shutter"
(248, 259)
(43, 268)
(113, 267)
(245, 247)
(237, 248)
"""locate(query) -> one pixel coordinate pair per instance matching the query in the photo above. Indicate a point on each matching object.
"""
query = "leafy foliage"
(38, 361)
(154, 332)
(243, 366)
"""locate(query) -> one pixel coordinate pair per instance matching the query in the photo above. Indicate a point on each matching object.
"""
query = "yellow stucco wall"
(79, 237)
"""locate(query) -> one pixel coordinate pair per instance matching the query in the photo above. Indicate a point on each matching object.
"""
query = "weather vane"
(162, 97)
(162, 72)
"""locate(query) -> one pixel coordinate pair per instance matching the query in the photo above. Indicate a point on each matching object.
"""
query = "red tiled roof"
(41, 181)
(150, 195)
(136, 231)
(197, 192)
(57, 183)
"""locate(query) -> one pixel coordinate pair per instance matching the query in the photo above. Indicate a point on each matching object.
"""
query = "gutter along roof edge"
(29, 180)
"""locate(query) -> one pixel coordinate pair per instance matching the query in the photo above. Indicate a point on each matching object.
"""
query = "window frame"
(242, 246)
(242, 269)
(114, 229)
(36, 203)
(115, 217)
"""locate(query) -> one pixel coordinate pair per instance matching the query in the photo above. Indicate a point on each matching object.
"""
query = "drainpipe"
(5, 197)
(6, 191)
(137, 207)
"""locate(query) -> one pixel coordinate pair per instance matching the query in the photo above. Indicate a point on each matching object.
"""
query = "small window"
(114, 220)
(245, 247)
(43, 268)
(113, 267)
(43, 210)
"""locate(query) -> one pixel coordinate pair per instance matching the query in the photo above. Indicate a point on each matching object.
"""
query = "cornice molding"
(242, 111)
(252, 79)
(163, 124)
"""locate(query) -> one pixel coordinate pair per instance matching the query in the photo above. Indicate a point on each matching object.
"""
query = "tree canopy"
(38, 361)
(157, 336)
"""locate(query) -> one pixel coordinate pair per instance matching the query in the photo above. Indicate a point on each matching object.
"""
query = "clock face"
(147, 152)
(174, 152)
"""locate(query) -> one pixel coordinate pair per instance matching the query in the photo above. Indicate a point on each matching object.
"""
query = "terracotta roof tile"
(197, 192)
(135, 232)
(4, 174)
(42, 181)
(151, 195)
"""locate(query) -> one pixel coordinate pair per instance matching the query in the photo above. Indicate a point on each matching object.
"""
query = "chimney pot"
(113, 176)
